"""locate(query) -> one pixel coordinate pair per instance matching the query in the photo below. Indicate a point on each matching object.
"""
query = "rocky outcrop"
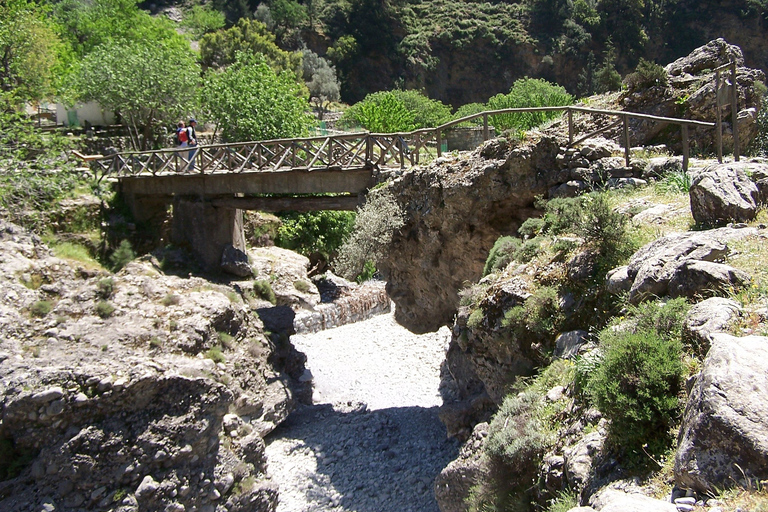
(706, 318)
(724, 435)
(133, 391)
(615, 500)
(724, 193)
(455, 209)
(682, 265)
(690, 93)
(454, 483)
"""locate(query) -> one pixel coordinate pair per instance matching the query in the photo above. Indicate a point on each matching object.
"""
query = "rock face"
(723, 193)
(455, 210)
(454, 484)
(681, 265)
(135, 391)
(706, 318)
(724, 434)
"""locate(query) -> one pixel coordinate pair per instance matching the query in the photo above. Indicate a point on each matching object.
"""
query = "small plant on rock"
(171, 299)
(105, 288)
(123, 255)
(501, 254)
(215, 354)
(263, 288)
(40, 308)
(104, 309)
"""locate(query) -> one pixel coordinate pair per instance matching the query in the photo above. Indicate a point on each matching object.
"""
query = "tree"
(396, 111)
(321, 80)
(29, 51)
(527, 92)
(218, 49)
(150, 84)
(201, 20)
(250, 101)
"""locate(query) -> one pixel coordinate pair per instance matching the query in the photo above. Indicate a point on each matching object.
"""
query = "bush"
(40, 308)
(105, 288)
(104, 309)
(321, 232)
(215, 355)
(647, 74)
(527, 92)
(171, 299)
(501, 254)
(468, 110)
(263, 288)
(374, 227)
(396, 111)
(759, 146)
(122, 256)
(540, 315)
(636, 386)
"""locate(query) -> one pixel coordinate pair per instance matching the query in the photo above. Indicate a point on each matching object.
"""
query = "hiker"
(181, 135)
(191, 141)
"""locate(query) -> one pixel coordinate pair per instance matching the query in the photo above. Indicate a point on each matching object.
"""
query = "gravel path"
(372, 442)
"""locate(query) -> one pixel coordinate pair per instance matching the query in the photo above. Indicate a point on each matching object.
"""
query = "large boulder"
(723, 193)
(454, 483)
(674, 265)
(724, 434)
(614, 500)
(706, 318)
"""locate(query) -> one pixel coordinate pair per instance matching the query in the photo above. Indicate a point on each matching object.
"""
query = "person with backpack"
(181, 135)
(191, 141)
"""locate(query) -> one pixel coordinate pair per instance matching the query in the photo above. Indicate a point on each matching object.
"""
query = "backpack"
(181, 136)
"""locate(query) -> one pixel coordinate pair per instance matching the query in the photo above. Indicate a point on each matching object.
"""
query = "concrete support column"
(206, 230)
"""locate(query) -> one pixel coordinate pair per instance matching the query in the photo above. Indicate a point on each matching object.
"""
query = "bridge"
(312, 173)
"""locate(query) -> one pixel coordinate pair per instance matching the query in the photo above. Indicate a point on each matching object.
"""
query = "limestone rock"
(568, 343)
(655, 265)
(454, 483)
(580, 458)
(612, 500)
(713, 54)
(725, 426)
(235, 262)
(706, 318)
(723, 193)
(702, 278)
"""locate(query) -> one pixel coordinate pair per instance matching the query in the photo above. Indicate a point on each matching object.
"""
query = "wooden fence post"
(719, 119)
(685, 147)
(570, 126)
(625, 118)
(486, 133)
(439, 138)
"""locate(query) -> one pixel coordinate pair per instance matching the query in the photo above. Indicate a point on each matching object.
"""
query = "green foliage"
(219, 49)
(301, 285)
(396, 111)
(501, 254)
(171, 299)
(647, 74)
(249, 101)
(564, 501)
(74, 251)
(151, 84)
(104, 309)
(29, 53)
(637, 385)
(468, 110)
(263, 288)
(105, 287)
(528, 250)
(527, 92)
(215, 354)
(40, 308)
(320, 232)
(123, 255)
(380, 112)
(375, 224)
(321, 80)
(677, 182)
(202, 19)
(540, 315)
(19, 139)
(759, 146)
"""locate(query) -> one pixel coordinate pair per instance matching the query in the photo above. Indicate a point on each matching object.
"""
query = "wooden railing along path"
(354, 150)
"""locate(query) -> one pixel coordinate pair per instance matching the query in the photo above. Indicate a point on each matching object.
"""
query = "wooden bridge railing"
(348, 151)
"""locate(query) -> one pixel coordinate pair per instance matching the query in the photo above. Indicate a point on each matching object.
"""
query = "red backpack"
(181, 136)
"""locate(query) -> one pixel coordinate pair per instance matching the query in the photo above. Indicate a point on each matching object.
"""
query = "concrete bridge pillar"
(206, 230)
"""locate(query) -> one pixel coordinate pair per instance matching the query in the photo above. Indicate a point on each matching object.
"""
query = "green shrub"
(263, 288)
(475, 318)
(759, 146)
(40, 308)
(540, 315)
(396, 111)
(215, 354)
(647, 74)
(155, 342)
(375, 225)
(677, 182)
(301, 285)
(527, 92)
(501, 254)
(104, 309)
(171, 299)
(528, 250)
(532, 227)
(636, 386)
(468, 110)
(122, 256)
(105, 287)
(320, 232)
(226, 339)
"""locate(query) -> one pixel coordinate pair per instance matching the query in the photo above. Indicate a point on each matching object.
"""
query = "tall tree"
(150, 84)
(29, 50)
(250, 101)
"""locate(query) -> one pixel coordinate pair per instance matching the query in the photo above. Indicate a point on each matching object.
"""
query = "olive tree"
(321, 81)
(149, 84)
(251, 101)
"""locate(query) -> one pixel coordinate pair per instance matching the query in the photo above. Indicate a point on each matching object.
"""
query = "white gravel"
(372, 441)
